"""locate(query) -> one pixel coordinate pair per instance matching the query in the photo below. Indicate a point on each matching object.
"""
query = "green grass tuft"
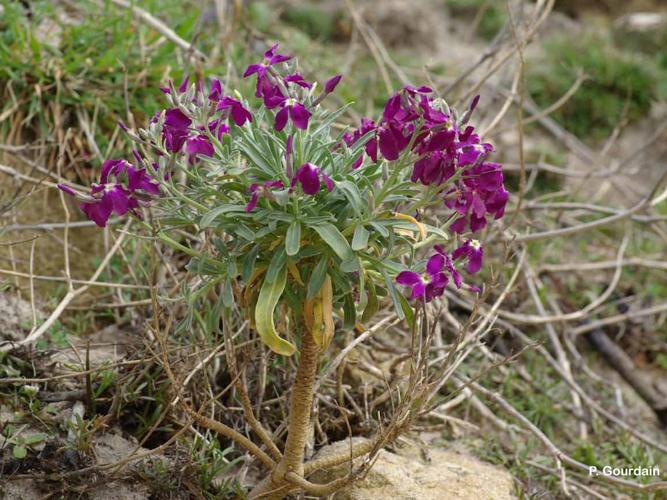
(620, 85)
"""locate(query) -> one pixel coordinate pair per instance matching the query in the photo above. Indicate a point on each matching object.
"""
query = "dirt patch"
(16, 317)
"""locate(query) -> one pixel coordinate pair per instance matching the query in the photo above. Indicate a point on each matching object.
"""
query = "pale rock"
(441, 474)
(16, 317)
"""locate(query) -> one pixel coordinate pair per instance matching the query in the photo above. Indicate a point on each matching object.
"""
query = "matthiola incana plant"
(308, 222)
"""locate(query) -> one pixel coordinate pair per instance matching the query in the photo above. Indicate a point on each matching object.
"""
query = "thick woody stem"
(301, 406)
(278, 485)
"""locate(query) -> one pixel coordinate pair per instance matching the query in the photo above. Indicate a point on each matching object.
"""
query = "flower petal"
(418, 290)
(408, 278)
(281, 119)
(435, 264)
(327, 182)
(308, 176)
(332, 83)
(200, 145)
(175, 118)
(475, 260)
(253, 202)
(300, 116)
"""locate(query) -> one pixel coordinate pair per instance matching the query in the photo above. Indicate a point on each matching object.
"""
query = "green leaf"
(373, 303)
(277, 264)
(269, 295)
(317, 277)
(293, 238)
(335, 239)
(253, 153)
(249, 263)
(19, 452)
(349, 312)
(227, 294)
(350, 266)
(351, 192)
(360, 238)
(394, 295)
(34, 438)
(209, 217)
(380, 229)
(408, 310)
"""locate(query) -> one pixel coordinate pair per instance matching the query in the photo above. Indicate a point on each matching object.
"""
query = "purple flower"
(139, 180)
(216, 91)
(270, 58)
(218, 127)
(184, 84)
(471, 148)
(234, 107)
(265, 80)
(199, 145)
(417, 90)
(331, 84)
(175, 130)
(295, 111)
(430, 284)
(311, 177)
(473, 103)
(112, 198)
(113, 168)
(181, 88)
(371, 148)
(449, 265)
(258, 190)
(297, 79)
(175, 118)
(67, 190)
(121, 188)
(474, 252)
(392, 140)
(434, 168)
(479, 193)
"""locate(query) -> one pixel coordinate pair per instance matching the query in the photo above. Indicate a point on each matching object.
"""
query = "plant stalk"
(277, 485)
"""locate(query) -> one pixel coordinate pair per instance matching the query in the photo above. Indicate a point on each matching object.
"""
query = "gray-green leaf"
(360, 238)
(317, 277)
(335, 239)
(293, 238)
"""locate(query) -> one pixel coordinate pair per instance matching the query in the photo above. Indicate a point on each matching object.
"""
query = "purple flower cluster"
(412, 119)
(440, 268)
(276, 90)
(445, 151)
(180, 135)
(280, 93)
(122, 188)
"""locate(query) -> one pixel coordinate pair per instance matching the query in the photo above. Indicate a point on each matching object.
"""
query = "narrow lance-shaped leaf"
(335, 239)
(393, 293)
(269, 296)
(293, 238)
(317, 277)
(360, 237)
